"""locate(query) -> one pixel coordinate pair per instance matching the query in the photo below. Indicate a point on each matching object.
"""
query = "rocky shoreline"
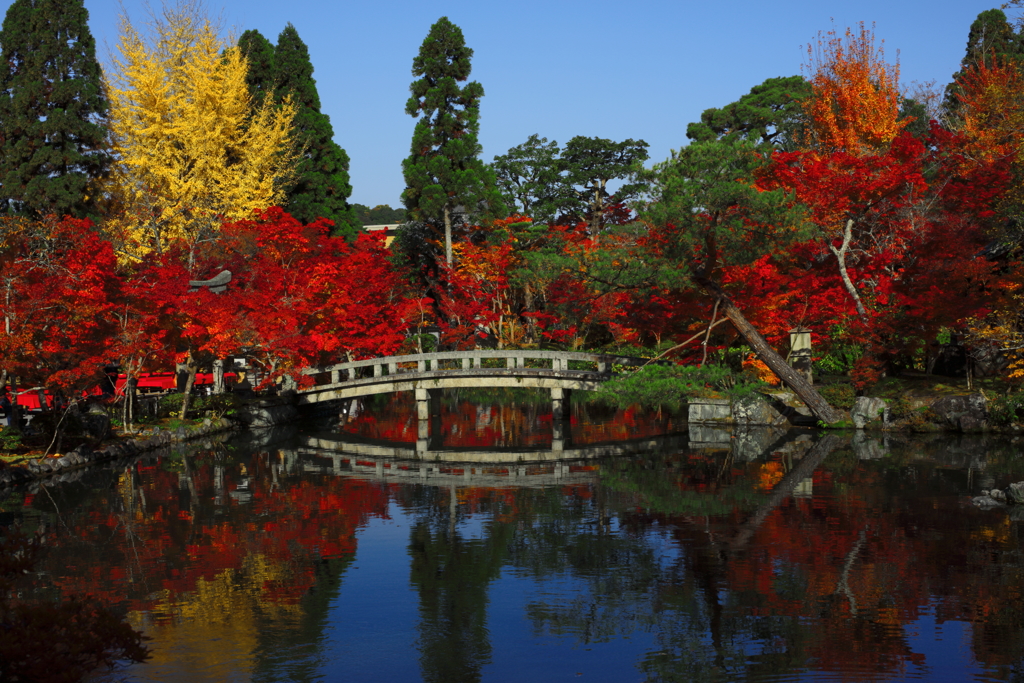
(259, 413)
(961, 413)
(84, 456)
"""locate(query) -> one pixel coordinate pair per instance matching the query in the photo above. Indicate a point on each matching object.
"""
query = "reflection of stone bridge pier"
(429, 429)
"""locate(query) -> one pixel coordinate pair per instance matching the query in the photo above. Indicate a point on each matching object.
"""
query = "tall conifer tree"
(262, 74)
(322, 187)
(52, 110)
(443, 173)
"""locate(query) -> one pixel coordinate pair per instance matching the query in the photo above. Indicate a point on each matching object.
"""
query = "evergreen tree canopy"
(443, 173)
(52, 110)
(528, 176)
(587, 165)
(322, 186)
(262, 74)
(771, 112)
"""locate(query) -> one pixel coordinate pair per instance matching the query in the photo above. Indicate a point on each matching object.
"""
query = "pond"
(637, 551)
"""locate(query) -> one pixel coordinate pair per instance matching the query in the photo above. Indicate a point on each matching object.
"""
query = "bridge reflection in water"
(400, 463)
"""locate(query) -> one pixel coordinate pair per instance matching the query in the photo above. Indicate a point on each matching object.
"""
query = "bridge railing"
(524, 359)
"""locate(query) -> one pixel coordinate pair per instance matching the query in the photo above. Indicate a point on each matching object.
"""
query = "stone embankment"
(84, 456)
(967, 413)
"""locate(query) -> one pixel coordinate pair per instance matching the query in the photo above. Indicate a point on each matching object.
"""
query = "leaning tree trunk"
(790, 377)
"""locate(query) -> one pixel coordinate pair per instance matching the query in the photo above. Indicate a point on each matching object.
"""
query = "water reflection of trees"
(742, 579)
(226, 558)
(734, 569)
(451, 575)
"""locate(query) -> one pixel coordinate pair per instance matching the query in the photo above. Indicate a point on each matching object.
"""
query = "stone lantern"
(800, 352)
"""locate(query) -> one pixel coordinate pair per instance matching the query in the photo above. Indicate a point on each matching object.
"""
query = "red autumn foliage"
(57, 294)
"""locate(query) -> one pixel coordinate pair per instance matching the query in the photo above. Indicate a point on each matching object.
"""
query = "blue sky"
(638, 69)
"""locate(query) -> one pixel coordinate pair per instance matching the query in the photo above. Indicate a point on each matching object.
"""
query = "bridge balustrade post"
(602, 366)
(335, 376)
(392, 368)
(477, 362)
(465, 363)
(378, 370)
(421, 365)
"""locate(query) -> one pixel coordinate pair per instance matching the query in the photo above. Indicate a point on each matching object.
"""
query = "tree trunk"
(447, 236)
(840, 254)
(187, 393)
(790, 377)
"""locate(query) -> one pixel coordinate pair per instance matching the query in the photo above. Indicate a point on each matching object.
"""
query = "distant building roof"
(389, 231)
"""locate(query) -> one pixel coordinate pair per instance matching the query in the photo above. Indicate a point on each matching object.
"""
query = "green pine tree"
(771, 113)
(444, 176)
(323, 187)
(52, 110)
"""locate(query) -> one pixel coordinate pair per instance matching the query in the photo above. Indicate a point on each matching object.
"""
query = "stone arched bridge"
(558, 371)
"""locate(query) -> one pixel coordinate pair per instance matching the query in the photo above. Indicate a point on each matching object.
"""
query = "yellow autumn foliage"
(191, 147)
(1003, 330)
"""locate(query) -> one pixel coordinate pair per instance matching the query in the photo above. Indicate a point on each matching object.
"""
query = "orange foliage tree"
(992, 105)
(855, 102)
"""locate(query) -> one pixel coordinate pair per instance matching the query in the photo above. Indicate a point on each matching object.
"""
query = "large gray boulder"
(963, 413)
(869, 409)
(756, 410)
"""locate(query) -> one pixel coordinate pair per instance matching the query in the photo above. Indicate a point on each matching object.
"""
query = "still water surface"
(639, 552)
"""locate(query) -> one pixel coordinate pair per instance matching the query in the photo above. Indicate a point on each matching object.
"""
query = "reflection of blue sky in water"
(946, 647)
(373, 620)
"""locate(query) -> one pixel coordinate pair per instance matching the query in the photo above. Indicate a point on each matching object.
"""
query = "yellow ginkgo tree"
(192, 148)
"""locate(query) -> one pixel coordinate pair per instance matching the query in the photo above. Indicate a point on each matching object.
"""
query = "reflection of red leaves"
(317, 520)
(470, 425)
